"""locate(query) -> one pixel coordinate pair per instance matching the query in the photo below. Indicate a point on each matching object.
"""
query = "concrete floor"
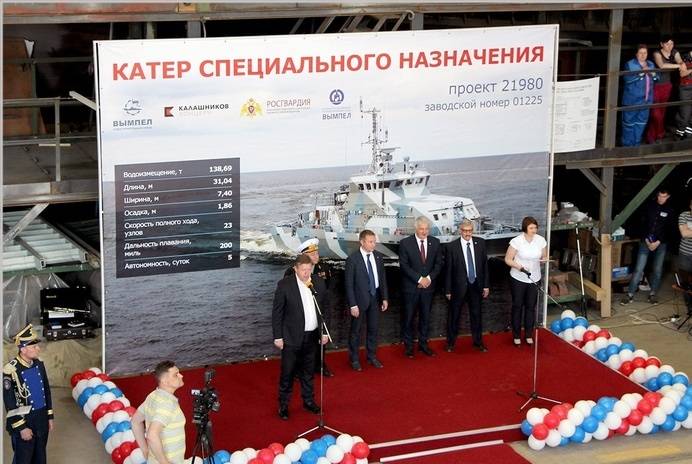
(75, 440)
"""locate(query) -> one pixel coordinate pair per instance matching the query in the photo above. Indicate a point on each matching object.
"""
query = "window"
(435, 216)
(360, 187)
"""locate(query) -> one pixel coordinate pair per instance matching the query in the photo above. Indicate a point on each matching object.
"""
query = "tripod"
(203, 442)
(324, 330)
(533, 394)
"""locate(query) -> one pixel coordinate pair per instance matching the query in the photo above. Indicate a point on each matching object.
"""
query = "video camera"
(205, 400)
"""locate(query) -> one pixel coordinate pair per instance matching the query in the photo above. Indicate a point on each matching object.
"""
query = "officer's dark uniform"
(27, 385)
(323, 270)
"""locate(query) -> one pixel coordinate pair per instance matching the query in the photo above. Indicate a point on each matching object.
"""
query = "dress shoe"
(425, 349)
(326, 372)
(529, 341)
(355, 365)
(312, 407)
(516, 342)
(449, 349)
(283, 412)
(409, 352)
(481, 347)
(375, 363)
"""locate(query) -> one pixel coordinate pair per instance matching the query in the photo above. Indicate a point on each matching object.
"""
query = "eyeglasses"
(467, 230)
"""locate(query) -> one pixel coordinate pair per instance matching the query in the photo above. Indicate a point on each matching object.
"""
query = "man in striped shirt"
(160, 415)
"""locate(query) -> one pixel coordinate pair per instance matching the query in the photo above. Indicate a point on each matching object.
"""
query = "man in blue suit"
(366, 293)
(421, 262)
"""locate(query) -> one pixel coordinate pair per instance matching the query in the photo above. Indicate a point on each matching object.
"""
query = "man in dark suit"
(366, 292)
(296, 324)
(421, 262)
(467, 281)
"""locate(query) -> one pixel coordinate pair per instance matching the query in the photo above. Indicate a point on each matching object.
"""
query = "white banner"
(218, 150)
(576, 113)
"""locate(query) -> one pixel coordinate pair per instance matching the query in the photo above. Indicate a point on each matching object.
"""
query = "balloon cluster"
(104, 403)
(666, 407)
(344, 449)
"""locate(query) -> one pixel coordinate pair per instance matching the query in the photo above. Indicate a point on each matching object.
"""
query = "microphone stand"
(581, 277)
(324, 330)
(533, 395)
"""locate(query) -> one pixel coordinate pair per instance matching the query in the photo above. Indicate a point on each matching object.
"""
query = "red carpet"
(494, 454)
(451, 392)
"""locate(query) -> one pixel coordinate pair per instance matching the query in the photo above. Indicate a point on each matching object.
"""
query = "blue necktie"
(371, 277)
(471, 269)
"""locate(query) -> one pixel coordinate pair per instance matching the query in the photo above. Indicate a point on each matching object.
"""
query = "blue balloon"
(109, 431)
(612, 349)
(222, 457)
(679, 378)
(607, 403)
(100, 389)
(680, 413)
(652, 384)
(309, 457)
(579, 435)
(117, 392)
(598, 412)
(124, 426)
(581, 321)
(84, 397)
(555, 326)
(564, 441)
(627, 345)
(686, 402)
(602, 355)
(329, 439)
(526, 428)
(590, 423)
(669, 424)
(319, 446)
(664, 378)
(655, 429)
(566, 323)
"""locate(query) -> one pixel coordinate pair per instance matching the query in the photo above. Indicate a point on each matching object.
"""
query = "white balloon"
(323, 460)
(109, 445)
(334, 454)
(657, 416)
(345, 442)
(568, 335)
(677, 426)
(109, 384)
(81, 385)
(641, 354)
(117, 439)
(680, 387)
(646, 426)
(631, 430)
(88, 410)
(357, 439)
(137, 456)
(124, 401)
(96, 370)
(583, 406)
(601, 432)
(103, 422)
(614, 361)
(612, 420)
(128, 460)
(251, 453)
(594, 328)
(568, 314)
(589, 347)
(667, 368)
(638, 375)
(626, 355)
(281, 459)
(94, 381)
(128, 435)
(107, 397)
(358, 461)
(566, 428)
(554, 438)
(687, 423)
(664, 389)
(536, 444)
(622, 409)
(120, 416)
(75, 393)
(93, 401)
(674, 395)
(614, 341)
(667, 405)
(303, 443)
(575, 416)
(630, 400)
(651, 371)
(534, 416)
(587, 437)
(579, 332)
(238, 457)
(293, 451)
(600, 343)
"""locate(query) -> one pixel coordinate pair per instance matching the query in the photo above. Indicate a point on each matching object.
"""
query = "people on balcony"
(638, 90)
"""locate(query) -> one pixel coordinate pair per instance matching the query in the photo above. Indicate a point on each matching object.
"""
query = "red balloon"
(117, 456)
(134, 444)
(266, 455)
(99, 412)
(638, 362)
(255, 461)
(103, 377)
(588, 336)
(115, 405)
(560, 411)
(551, 420)
(126, 448)
(567, 406)
(348, 459)
(626, 368)
(603, 333)
(130, 410)
(624, 427)
(540, 431)
(635, 417)
(76, 378)
(653, 361)
(644, 407)
(611, 434)
(360, 450)
(653, 398)
(277, 448)
(88, 375)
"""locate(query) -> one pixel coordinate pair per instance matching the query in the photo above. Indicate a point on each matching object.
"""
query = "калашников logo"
(187, 110)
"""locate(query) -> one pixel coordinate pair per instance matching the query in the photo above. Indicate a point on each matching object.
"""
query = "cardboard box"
(620, 272)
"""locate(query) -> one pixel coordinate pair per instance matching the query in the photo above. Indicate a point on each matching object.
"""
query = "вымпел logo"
(206, 109)
(132, 107)
(133, 118)
(251, 109)
(336, 96)
(336, 111)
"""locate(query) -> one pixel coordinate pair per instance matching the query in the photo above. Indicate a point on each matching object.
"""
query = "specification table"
(177, 216)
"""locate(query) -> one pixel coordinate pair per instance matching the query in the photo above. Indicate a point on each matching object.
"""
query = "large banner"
(220, 156)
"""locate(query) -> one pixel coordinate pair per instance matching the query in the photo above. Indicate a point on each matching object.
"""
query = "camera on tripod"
(205, 400)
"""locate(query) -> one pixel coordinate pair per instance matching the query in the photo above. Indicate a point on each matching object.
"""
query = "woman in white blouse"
(525, 254)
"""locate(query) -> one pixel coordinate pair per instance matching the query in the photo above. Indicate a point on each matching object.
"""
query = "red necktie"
(422, 252)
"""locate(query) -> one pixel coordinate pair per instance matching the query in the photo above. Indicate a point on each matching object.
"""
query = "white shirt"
(308, 306)
(528, 255)
(465, 249)
(374, 266)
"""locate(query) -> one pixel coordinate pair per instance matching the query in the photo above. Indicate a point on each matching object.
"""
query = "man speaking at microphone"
(296, 324)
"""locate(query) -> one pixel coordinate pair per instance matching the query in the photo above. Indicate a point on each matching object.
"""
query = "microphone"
(309, 285)
(525, 271)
